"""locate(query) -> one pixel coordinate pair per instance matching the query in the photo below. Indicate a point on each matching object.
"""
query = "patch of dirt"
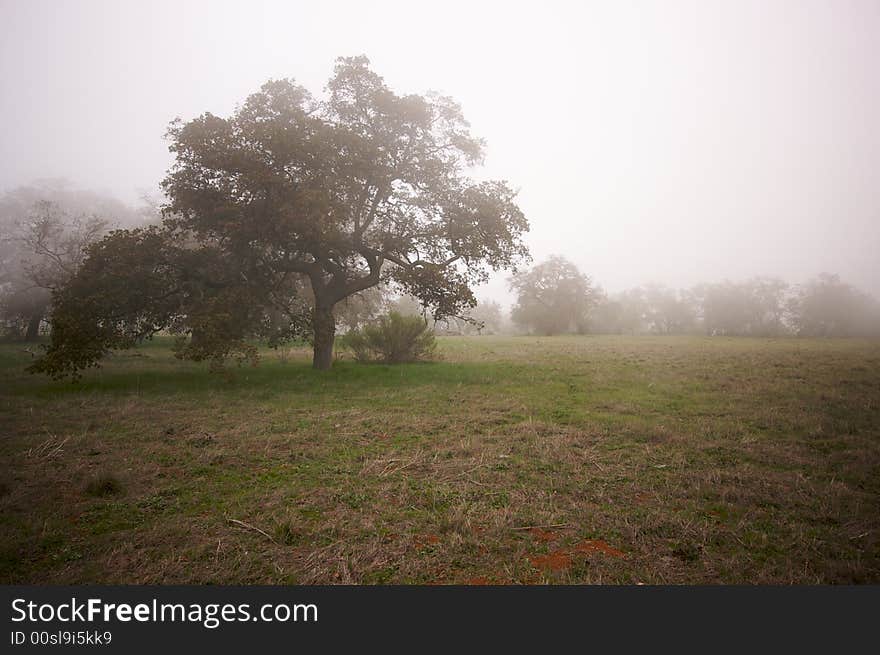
(479, 581)
(545, 536)
(558, 560)
(425, 540)
(596, 546)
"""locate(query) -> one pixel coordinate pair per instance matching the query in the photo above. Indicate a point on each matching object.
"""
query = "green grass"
(701, 460)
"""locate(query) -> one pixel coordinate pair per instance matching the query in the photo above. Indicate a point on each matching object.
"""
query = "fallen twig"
(248, 526)
(543, 527)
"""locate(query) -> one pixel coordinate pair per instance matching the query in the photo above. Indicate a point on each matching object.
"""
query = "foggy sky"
(670, 141)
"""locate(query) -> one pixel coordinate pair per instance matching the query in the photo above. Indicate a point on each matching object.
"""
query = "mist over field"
(668, 142)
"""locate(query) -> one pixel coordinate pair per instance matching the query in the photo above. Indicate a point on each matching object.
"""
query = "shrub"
(392, 339)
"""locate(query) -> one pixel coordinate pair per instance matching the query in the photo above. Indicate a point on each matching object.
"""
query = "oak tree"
(320, 198)
(552, 298)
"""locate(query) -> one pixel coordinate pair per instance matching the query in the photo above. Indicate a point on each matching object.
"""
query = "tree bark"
(324, 326)
(33, 328)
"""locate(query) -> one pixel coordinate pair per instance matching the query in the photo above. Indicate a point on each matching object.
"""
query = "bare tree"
(41, 252)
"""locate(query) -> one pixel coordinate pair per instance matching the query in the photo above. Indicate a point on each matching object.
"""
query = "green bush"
(392, 339)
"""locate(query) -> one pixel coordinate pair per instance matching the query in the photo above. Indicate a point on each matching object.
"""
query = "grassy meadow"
(508, 460)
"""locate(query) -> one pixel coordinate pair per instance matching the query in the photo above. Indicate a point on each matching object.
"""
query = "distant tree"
(488, 317)
(828, 307)
(769, 306)
(755, 307)
(360, 308)
(405, 305)
(723, 308)
(633, 311)
(606, 316)
(18, 203)
(485, 318)
(42, 245)
(668, 311)
(552, 298)
(345, 192)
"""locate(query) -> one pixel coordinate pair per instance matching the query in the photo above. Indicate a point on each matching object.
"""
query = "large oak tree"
(315, 197)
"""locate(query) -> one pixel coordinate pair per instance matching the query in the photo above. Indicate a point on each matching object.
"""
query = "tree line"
(554, 297)
(48, 230)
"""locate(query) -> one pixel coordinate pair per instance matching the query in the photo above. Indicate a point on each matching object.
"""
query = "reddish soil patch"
(422, 541)
(597, 546)
(479, 580)
(558, 560)
(543, 535)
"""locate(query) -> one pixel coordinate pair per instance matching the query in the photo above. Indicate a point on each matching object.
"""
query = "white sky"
(669, 141)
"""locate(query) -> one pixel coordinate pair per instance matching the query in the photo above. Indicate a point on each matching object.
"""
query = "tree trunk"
(33, 328)
(324, 325)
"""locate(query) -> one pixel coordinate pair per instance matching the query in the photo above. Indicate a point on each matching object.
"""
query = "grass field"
(509, 460)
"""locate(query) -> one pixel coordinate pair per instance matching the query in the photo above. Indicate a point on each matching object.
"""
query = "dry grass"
(512, 460)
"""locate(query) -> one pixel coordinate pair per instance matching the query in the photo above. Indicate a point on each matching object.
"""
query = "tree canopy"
(827, 306)
(552, 298)
(298, 202)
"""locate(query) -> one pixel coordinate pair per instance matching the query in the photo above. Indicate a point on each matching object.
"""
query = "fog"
(673, 142)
